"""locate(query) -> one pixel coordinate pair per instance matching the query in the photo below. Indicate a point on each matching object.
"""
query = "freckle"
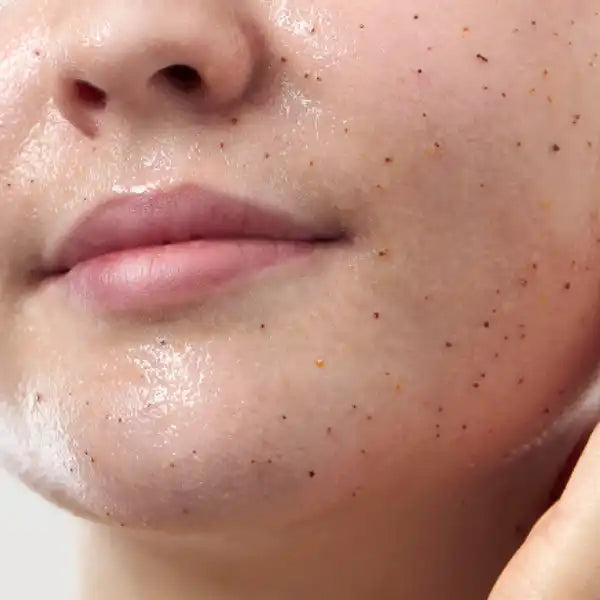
(363, 451)
(107, 513)
(449, 344)
(515, 30)
(283, 59)
(419, 71)
(429, 48)
(398, 388)
(483, 375)
(222, 145)
(121, 524)
(234, 121)
(481, 57)
(466, 29)
(503, 94)
(376, 315)
(311, 473)
(320, 363)
(506, 338)
(284, 417)
(476, 385)
(85, 452)
(576, 119)
(424, 115)
(318, 78)
(519, 144)
(494, 311)
(523, 282)
(369, 417)
(589, 144)
(306, 75)
(92, 459)
(521, 381)
(485, 87)
(262, 326)
(555, 148)
(496, 355)
(346, 130)
(311, 163)
(534, 23)
(383, 252)
(532, 91)
(354, 406)
(437, 435)
(389, 159)
(252, 462)
(545, 72)
(567, 285)
(440, 409)
(38, 398)
(185, 511)
(482, 185)
(270, 461)
(549, 98)
(415, 17)
(329, 430)
(37, 52)
(464, 427)
(497, 292)
(267, 155)
(486, 324)
(362, 26)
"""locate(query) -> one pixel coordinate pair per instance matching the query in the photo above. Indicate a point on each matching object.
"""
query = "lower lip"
(162, 276)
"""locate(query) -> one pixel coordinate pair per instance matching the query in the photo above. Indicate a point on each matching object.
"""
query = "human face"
(448, 152)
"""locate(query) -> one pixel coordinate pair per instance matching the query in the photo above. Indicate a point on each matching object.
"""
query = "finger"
(560, 559)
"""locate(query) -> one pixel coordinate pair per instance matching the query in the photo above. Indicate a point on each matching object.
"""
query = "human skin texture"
(385, 417)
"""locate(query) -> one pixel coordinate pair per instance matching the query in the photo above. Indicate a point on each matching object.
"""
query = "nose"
(152, 57)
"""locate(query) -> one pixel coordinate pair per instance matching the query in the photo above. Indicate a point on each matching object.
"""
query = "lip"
(152, 250)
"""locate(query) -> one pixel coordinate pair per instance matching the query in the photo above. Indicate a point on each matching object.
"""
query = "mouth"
(145, 251)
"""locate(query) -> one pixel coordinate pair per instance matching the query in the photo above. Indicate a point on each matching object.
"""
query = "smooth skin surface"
(384, 420)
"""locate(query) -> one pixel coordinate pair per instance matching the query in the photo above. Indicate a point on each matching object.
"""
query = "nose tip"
(150, 61)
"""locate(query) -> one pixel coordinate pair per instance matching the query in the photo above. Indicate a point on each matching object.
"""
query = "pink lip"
(138, 252)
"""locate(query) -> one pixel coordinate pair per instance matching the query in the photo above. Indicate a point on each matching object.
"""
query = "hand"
(560, 559)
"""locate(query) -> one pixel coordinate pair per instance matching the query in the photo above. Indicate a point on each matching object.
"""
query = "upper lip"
(181, 214)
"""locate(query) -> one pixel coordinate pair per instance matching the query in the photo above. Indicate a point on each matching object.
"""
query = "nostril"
(182, 77)
(89, 94)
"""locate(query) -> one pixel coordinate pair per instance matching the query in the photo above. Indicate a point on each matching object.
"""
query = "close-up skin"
(300, 298)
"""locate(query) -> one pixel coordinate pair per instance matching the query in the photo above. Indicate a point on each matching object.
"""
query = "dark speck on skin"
(567, 285)
(555, 148)
(482, 58)
(311, 473)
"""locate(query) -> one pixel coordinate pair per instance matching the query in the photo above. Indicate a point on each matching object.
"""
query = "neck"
(358, 553)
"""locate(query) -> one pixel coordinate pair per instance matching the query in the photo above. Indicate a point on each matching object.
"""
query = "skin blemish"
(320, 363)
(235, 121)
(449, 344)
(576, 119)
(523, 282)
(376, 315)
(319, 78)
(533, 91)
(496, 355)
(466, 29)
(185, 511)
(369, 417)
(419, 71)
(222, 145)
(283, 417)
(487, 324)
(354, 406)
(311, 474)
(555, 148)
(283, 59)
(506, 338)
(521, 381)
(361, 26)
(440, 409)
(567, 285)
(476, 385)
(383, 252)
(482, 58)
(388, 160)
(306, 75)
(311, 163)
(415, 17)
(464, 427)
(329, 430)
(398, 388)
(172, 465)
(363, 451)
(262, 326)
